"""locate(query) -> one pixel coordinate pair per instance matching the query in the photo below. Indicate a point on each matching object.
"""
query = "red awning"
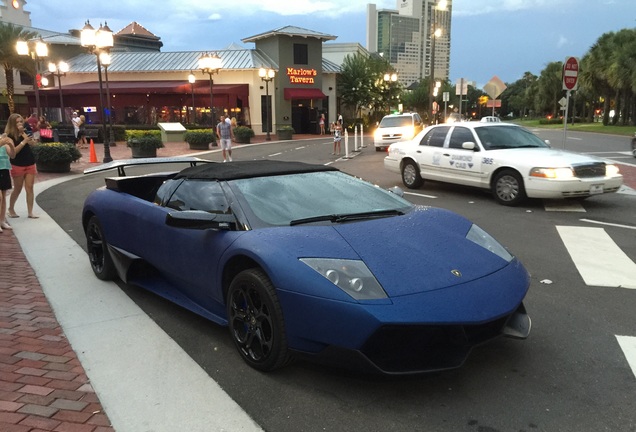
(153, 87)
(304, 93)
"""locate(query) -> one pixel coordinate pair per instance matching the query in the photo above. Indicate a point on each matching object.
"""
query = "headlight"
(552, 173)
(351, 276)
(408, 133)
(377, 134)
(485, 240)
(611, 170)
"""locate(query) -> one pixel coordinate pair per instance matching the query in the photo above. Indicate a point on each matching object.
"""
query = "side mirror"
(548, 143)
(199, 219)
(468, 145)
(397, 190)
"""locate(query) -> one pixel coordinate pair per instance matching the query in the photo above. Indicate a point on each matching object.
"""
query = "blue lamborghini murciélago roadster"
(305, 260)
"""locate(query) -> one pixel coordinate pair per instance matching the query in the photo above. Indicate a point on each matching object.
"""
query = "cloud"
(563, 41)
(215, 17)
(482, 7)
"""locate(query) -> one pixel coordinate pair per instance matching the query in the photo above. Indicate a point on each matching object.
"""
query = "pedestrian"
(337, 137)
(76, 124)
(33, 122)
(226, 135)
(81, 133)
(321, 122)
(7, 151)
(23, 169)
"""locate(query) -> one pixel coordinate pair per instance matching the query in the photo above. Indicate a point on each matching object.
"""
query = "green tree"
(9, 58)
(549, 89)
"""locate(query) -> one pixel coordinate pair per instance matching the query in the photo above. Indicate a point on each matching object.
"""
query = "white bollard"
(355, 138)
(346, 137)
(361, 136)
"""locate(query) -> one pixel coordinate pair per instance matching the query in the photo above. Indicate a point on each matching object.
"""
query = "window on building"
(301, 54)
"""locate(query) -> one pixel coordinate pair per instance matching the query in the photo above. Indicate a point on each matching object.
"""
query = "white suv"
(396, 127)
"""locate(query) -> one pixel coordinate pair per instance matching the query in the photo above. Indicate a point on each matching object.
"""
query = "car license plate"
(596, 189)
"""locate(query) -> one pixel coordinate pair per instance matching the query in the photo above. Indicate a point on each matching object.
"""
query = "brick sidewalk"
(43, 386)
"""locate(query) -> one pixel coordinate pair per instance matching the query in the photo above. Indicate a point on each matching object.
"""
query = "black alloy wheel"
(98, 255)
(255, 320)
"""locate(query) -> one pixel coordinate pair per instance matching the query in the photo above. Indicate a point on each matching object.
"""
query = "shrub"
(199, 137)
(144, 139)
(243, 133)
(56, 152)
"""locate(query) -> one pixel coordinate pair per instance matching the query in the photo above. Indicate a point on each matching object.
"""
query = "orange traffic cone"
(93, 158)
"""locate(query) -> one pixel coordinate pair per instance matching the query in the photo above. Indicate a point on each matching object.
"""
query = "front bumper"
(543, 188)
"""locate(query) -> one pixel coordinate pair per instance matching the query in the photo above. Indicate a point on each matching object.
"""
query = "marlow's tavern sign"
(301, 76)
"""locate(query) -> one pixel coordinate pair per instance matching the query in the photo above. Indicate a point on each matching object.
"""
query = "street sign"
(571, 73)
(495, 87)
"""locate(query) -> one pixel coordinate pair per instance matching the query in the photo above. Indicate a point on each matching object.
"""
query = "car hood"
(544, 157)
(425, 250)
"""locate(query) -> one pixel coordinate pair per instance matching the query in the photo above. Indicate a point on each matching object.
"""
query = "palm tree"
(9, 58)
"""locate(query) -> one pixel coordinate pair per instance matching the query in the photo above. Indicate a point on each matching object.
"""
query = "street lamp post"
(105, 59)
(267, 75)
(211, 64)
(59, 70)
(435, 33)
(37, 49)
(192, 79)
(98, 41)
(388, 79)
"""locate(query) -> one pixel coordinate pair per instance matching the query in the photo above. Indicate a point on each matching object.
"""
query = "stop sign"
(571, 73)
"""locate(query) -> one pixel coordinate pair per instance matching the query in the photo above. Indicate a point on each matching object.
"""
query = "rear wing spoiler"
(121, 164)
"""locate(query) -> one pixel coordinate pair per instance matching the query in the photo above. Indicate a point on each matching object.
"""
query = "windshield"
(508, 137)
(399, 121)
(279, 200)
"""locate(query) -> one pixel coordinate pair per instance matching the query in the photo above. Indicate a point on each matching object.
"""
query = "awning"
(152, 87)
(304, 93)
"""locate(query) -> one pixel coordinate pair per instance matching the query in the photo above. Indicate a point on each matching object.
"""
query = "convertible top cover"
(248, 169)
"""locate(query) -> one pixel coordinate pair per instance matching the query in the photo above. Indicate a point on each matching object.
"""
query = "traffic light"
(38, 80)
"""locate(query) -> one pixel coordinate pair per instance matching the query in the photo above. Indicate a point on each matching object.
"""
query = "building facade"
(407, 38)
(143, 85)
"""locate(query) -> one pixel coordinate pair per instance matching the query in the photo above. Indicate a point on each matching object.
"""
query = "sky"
(503, 38)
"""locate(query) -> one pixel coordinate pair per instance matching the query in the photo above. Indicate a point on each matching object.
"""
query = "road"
(572, 374)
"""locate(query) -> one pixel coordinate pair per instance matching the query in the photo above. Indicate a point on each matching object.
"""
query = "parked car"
(396, 127)
(634, 145)
(506, 159)
(301, 260)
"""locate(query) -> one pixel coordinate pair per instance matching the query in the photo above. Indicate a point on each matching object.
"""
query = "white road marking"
(420, 195)
(275, 154)
(597, 258)
(628, 345)
(563, 206)
(608, 224)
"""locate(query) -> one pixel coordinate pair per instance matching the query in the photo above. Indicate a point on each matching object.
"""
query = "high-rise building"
(414, 37)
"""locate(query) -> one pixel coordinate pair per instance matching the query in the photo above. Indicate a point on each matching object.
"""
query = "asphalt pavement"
(57, 322)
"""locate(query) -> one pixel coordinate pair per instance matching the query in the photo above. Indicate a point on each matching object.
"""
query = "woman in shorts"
(22, 164)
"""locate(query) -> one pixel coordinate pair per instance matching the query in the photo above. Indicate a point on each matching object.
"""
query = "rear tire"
(255, 320)
(411, 175)
(508, 188)
(98, 255)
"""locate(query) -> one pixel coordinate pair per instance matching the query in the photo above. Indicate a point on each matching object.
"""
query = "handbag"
(46, 133)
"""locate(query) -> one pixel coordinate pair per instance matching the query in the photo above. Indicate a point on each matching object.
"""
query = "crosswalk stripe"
(599, 260)
(563, 206)
(628, 345)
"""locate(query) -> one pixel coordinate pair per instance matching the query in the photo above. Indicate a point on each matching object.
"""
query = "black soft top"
(248, 169)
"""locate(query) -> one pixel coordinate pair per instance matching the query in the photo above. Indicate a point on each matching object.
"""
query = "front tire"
(411, 175)
(508, 188)
(255, 320)
(98, 255)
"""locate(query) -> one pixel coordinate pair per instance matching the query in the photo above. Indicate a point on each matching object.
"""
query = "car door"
(428, 153)
(458, 164)
(188, 258)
